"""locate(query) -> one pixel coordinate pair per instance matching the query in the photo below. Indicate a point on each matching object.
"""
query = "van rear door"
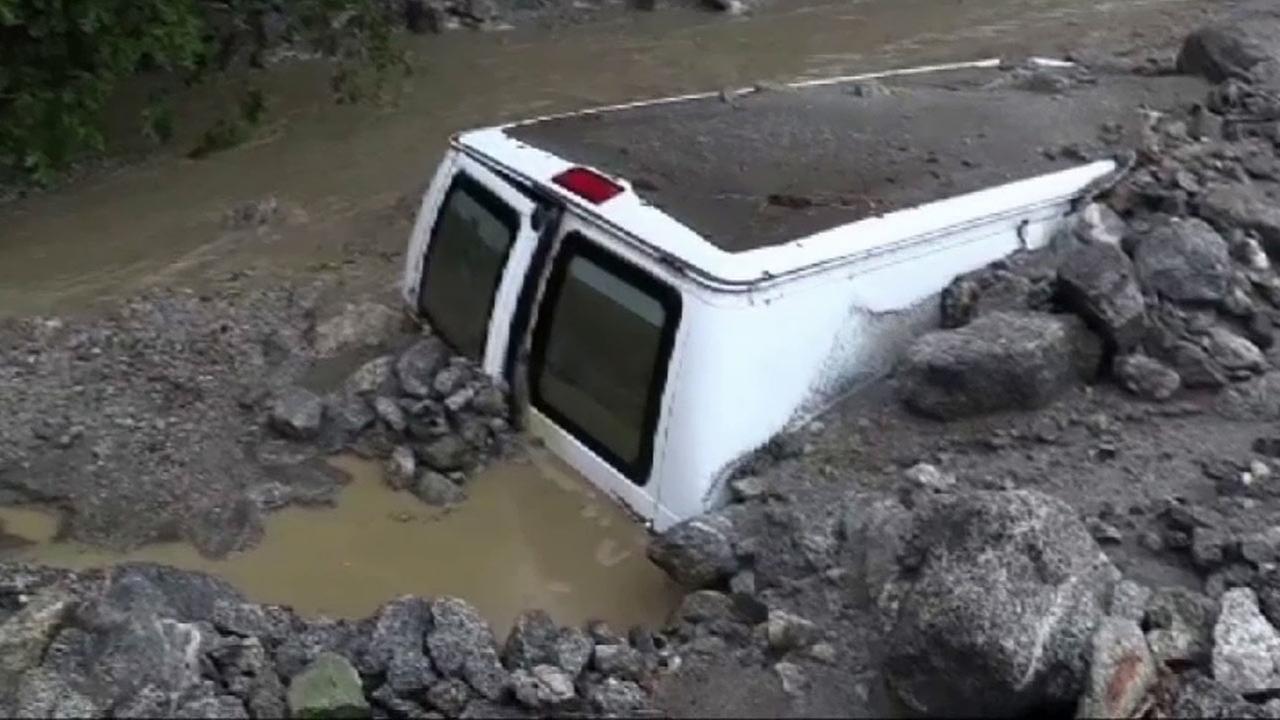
(476, 255)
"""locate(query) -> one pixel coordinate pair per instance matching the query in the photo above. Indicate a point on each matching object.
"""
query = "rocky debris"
(1011, 583)
(1022, 282)
(1244, 207)
(929, 477)
(1246, 648)
(1001, 361)
(1121, 670)
(328, 688)
(1179, 626)
(1098, 224)
(437, 490)
(1198, 696)
(149, 641)
(697, 553)
(1097, 282)
(1146, 377)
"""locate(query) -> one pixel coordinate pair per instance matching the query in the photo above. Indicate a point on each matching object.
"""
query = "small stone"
(1129, 600)
(747, 488)
(697, 553)
(1246, 647)
(446, 454)
(417, 366)
(794, 682)
(449, 380)
(390, 413)
(371, 377)
(929, 477)
(743, 583)
(1121, 670)
(402, 467)
(572, 651)
(621, 661)
(787, 632)
(617, 697)
(542, 687)
(823, 653)
(1146, 377)
(437, 490)
(328, 688)
(449, 697)
(296, 413)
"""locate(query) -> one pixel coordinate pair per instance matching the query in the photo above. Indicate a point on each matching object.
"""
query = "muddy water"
(339, 169)
(531, 535)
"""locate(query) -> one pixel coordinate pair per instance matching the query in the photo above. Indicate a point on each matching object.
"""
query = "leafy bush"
(60, 61)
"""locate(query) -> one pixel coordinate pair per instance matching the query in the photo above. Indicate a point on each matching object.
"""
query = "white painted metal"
(769, 337)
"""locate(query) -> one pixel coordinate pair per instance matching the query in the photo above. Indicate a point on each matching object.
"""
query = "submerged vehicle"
(668, 284)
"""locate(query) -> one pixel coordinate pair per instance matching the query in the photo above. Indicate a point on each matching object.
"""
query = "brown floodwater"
(531, 535)
(338, 169)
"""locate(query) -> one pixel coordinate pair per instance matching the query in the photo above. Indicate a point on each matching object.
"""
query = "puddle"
(532, 534)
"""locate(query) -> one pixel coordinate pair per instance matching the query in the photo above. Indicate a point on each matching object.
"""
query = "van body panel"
(765, 339)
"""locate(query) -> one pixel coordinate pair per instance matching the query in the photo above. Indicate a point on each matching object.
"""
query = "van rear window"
(601, 351)
(468, 250)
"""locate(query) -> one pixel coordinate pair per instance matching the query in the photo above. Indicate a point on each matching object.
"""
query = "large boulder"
(328, 688)
(698, 552)
(1231, 49)
(1098, 283)
(1002, 361)
(1184, 260)
(999, 597)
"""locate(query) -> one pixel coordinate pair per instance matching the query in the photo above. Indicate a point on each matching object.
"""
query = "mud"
(829, 155)
(532, 535)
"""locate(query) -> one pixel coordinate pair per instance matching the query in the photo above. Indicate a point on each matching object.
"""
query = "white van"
(673, 282)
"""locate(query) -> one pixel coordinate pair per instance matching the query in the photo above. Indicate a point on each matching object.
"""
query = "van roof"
(766, 167)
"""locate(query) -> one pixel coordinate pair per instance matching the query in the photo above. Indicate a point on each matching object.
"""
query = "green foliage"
(61, 60)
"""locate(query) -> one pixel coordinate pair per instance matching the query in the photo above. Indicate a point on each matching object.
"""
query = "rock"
(211, 706)
(929, 477)
(401, 468)
(449, 697)
(786, 632)
(572, 651)
(373, 377)
(792, 677)
(543, 686)
(621, 661)
(437, 490)
(385, 698)
(1257, 399)
(43, 693)
(1097, 282)
(416, 368)
(457, 634)
(1010, 582)
(329, 688)
(1121, 670)
(1002, 361)
(705, 606)
(350, 413)
(1244, 207)
(357, 325)
(25, 636)
(140, 653)
(1129, 601)
(491, 401)
(1246, 648)
(296, 413)
(988, 291)
(399, 630)
(698, 552)
(1180, 626)
(1237, 356)
(449, 380)
(447, 454)
(391, 414)
(1210, 547)
(747, 488)
(1184, 260)
(617, 698)
(1098, 224)
(249, 675)
(532, 641)
(483, 671)
(313, 638)
(231, 617)
(1146, 377)
(1200, 697)
(1233, 49)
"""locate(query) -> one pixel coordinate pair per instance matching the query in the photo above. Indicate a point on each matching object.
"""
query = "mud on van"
(668, 284)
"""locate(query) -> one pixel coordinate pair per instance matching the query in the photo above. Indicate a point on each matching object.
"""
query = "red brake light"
(588, 185)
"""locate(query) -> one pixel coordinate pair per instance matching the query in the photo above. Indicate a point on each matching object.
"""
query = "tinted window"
(469, 246)
(600, 353)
